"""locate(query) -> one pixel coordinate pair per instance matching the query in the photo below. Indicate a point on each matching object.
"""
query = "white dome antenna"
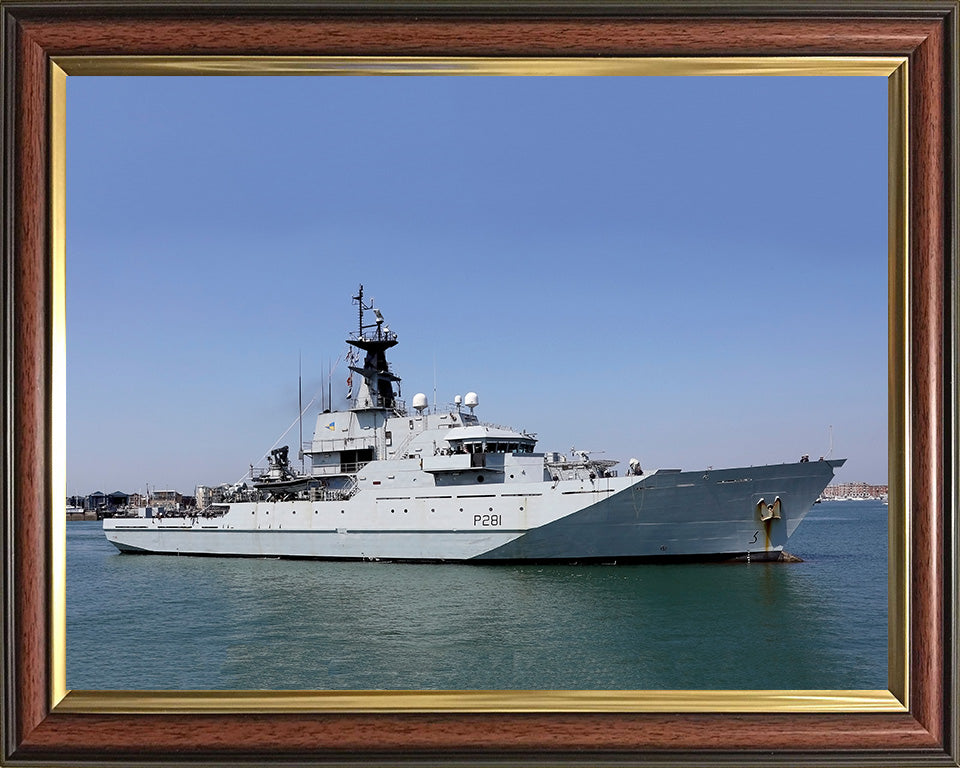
(419, 402)
(471, 400)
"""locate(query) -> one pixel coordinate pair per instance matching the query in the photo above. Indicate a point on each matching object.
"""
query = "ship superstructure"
(428, 484)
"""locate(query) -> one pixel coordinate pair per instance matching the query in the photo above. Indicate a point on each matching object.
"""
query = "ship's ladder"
(402, 448)
(349, 490)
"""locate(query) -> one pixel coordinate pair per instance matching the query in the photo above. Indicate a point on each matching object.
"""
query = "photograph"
(542, 325)
(491, 404)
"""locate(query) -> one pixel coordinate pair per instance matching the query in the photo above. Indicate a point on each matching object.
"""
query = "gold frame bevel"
(893, 700)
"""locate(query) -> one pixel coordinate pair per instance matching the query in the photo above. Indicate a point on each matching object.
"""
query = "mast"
(376, 389)
(300, 405)
(359, 299)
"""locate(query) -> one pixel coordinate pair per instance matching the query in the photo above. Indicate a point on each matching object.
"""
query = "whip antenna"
(300, 403)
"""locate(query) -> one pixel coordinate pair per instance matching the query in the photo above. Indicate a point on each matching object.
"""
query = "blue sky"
(691, 271)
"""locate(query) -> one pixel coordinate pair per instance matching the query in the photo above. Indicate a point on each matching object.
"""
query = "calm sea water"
(153, 622)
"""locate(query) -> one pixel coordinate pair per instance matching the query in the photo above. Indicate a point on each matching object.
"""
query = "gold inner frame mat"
(787, 701)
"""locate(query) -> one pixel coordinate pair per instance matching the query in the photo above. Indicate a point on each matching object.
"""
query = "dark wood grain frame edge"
(32, 734)
(26, 361)
(951, 347)
(7, 79)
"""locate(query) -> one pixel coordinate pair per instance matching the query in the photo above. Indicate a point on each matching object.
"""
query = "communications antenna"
(300, 404)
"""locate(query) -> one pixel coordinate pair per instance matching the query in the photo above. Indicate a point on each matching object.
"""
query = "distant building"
(136, 500)
(118, 499)
(207, 495)
(166, 499)
(854, 491)
(203, 493)
(96, 500)
(109, 504)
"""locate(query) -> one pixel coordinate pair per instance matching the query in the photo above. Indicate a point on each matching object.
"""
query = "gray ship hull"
(667, 515)
(688, 515)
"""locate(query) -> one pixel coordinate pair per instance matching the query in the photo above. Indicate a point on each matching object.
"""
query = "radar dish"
(419, 402)
(471, 400)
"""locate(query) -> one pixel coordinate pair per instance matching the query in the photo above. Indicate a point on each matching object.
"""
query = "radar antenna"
(382, 332)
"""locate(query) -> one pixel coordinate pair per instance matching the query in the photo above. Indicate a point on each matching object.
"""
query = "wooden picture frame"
(40, 725)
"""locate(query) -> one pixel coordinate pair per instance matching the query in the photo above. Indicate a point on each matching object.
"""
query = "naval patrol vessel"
(385, 482)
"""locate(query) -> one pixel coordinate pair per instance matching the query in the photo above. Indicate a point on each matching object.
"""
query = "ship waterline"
(716, 513)
(388, 484)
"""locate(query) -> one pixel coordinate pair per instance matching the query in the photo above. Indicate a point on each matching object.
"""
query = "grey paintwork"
(385, 483)
(681, 514)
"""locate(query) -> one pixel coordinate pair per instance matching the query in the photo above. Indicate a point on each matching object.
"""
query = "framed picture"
(46, 44)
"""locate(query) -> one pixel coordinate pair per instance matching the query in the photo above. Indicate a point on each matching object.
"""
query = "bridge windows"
(493, 446)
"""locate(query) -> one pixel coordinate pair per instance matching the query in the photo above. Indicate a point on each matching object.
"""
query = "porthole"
(521, 509)
(490, 509)
(479, 478)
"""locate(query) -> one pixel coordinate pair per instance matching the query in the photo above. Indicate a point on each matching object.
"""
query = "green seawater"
(155, 622)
